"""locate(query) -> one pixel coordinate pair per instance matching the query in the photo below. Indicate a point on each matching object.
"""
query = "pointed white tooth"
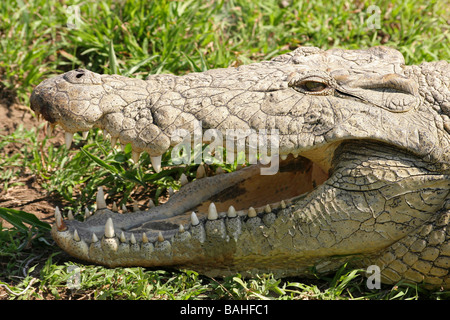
(231, 212)
(50, 128)
(101, 203)
(85, 134)
(68, 138)
(156, 163)
(212, 212)
(170, 190)
(70, 215)
(132, 239)
(122, 237)
(94, 238)
(109, 228)
(183, 179)
(283, 204)
(87, 213)
(295, 155)
(113, 141)
(267, 209)
(144, 238)
(124, 208)
(122, 146)
(135, 206)
(181, 229)
(151, 204)
(194, 219)
(251, 212)
(114, 207)
(76, 237)
(135, 156)
(283, 156)
(60, 225)
(200, 172)
(160, 237)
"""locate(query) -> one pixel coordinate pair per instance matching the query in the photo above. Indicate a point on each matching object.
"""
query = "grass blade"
(17, 218)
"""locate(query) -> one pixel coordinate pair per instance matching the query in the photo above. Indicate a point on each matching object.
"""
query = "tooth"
(151, 204)
(251, 212)
(183, 179)
(113, 141)
(122, 146)
(124, 208)
(170, 190)
(135, 206)
(114, 207)
(76, 237)
(109, 228)
(60, 225)
(231, 212)
(132, 239)
(135, 156)
(144, 238)
(68, 138)
(122, 237)
(94, 238)
(87, 213)
(212, 212)
(50, 128)
(194, 219)
(70, 215)
(283, 204)
(295, 155)
(267, 209)
(101, 203)
(85, 134)
(200, 172)
(283, 156)
(156, 163)
(160, 237)
(181, 229)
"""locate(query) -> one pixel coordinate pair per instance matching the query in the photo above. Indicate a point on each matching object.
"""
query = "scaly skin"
(364, 176)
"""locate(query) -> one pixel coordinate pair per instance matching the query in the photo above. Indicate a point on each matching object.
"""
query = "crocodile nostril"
(80, 73)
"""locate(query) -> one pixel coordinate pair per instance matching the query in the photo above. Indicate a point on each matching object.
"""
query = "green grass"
(137, 38)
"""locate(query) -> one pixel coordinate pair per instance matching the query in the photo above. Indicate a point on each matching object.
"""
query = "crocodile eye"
(313, 86)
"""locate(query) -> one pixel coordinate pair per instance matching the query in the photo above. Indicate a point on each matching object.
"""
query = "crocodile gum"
(364, 166)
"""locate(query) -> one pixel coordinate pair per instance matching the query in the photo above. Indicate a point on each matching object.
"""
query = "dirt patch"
(24, 192)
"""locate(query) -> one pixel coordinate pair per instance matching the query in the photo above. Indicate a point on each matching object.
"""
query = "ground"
(27, 195)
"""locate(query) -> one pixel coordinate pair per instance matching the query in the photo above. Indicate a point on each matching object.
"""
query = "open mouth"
(244, 193)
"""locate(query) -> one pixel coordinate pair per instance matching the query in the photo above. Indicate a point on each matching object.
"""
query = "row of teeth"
(156, 161)
(109, 226)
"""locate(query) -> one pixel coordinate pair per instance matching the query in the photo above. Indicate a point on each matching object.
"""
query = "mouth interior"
(295, 177)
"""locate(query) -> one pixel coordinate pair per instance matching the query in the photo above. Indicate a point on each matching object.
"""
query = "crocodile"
(362, 159)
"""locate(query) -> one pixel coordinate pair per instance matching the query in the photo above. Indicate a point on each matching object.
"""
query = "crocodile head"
(359, 142)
